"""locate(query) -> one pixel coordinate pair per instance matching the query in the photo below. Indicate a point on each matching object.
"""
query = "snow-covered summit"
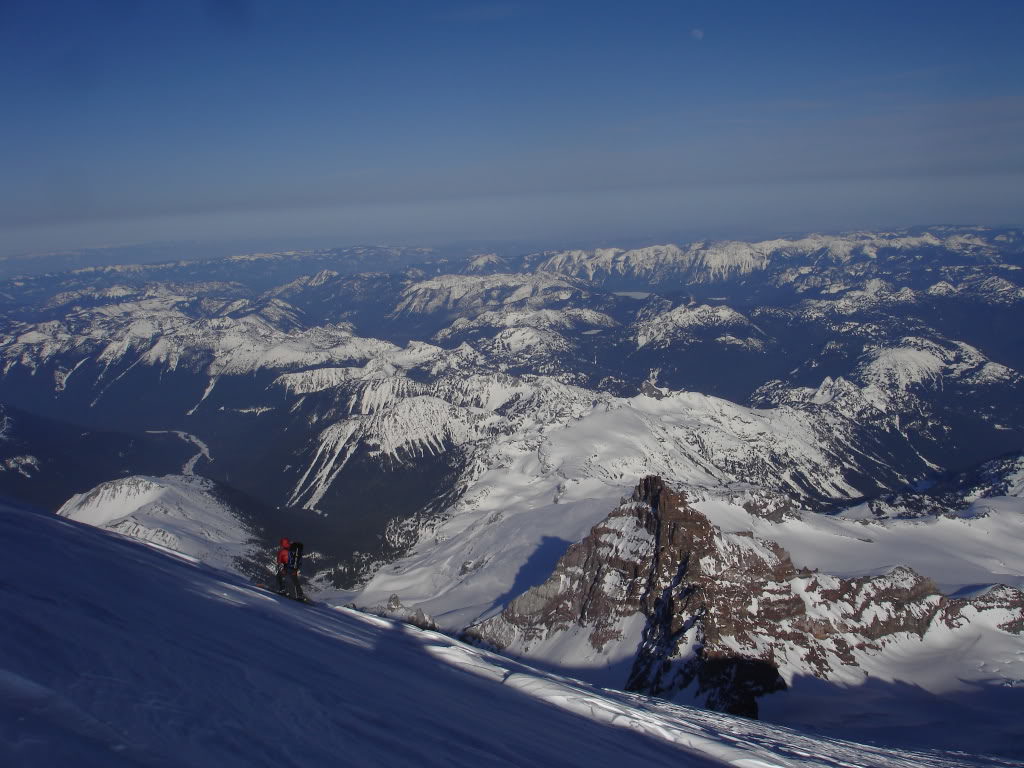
(486, 263)
(685, 324)
(465, 293)
(180, 512)
(916, 361)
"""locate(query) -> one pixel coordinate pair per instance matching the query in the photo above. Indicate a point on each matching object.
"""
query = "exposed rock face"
(727, 616)
(395, 609)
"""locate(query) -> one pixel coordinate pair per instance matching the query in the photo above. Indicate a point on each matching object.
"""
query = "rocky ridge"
(726, 617)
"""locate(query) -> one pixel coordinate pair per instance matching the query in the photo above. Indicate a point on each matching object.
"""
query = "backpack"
(295, 556)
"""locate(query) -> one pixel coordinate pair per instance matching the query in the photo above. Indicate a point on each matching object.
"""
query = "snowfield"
(122, 654)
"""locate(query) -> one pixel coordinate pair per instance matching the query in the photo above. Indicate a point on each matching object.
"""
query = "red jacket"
(282, 553)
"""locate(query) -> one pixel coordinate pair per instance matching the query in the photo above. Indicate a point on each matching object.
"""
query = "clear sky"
(425, 122)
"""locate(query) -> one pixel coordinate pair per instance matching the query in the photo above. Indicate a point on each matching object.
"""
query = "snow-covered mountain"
(677, 606)
(462, 293)
(179, 348)
(780, 261)
(228, 338)
(173, 662)
(533, 319)
(179, 512)
(441, 427)
(684, 324)
(205, 348)
(553, 478)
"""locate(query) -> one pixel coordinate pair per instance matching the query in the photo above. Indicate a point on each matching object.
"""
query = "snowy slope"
(174, 663)
(180, 513)
(551, 478)
(538, 495)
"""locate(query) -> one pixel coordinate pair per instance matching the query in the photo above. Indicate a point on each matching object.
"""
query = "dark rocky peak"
(650, 389)
(726, 617)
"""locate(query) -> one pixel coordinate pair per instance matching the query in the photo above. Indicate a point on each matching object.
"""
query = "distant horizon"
(650, 209)
(157, 252)
(502, 120)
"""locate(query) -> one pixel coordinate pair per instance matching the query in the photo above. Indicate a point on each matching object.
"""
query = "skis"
(273, 591)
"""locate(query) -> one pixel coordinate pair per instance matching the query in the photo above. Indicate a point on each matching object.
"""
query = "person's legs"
(280, 580)
(294, 576)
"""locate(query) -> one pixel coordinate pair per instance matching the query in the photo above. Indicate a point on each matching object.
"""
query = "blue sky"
(428, 122)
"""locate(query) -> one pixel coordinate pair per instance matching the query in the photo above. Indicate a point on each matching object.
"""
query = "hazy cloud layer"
(516, 118)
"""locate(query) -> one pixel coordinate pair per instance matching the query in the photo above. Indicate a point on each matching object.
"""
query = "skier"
(289, 560)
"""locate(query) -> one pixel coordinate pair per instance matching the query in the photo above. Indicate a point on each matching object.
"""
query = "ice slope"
(180, 512)
(119, 654)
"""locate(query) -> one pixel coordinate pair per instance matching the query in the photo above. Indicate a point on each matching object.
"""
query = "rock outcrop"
(727, 617)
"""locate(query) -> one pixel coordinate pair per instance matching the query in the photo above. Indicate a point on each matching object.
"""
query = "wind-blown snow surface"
(118, 653)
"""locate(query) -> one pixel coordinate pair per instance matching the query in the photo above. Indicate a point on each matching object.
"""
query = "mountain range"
(751, 476)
